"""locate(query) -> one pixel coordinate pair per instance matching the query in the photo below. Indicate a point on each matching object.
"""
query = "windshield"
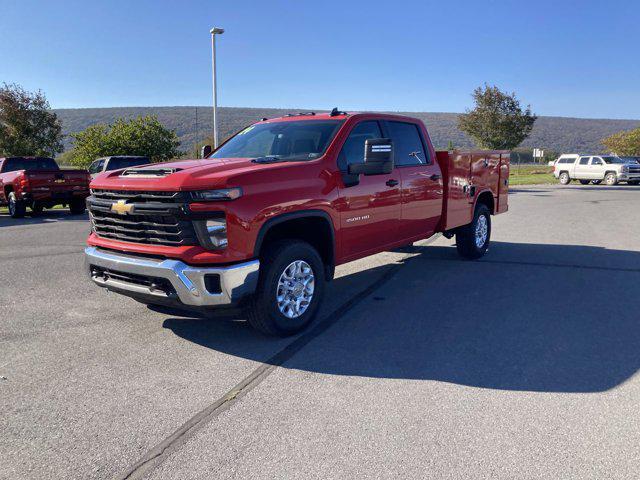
(303, 140)
(612, 160)
(40, 163)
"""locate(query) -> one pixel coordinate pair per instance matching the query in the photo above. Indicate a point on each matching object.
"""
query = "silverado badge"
(121, 208)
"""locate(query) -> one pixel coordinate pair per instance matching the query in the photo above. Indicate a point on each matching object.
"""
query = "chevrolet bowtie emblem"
(121, 207)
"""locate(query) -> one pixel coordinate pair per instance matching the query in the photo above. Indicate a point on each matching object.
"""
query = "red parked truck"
(38, 182)
(263, 221)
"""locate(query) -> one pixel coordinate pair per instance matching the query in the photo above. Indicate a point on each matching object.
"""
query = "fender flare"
(475, 201)
(272, 222)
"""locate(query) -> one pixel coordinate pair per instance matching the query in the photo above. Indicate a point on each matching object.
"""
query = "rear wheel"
(472, 241)
(36, 208)
(77, 206)
(611, 179)
(17, 208)
(585, 182)
(290, 289)
(564, 178)
(596, 182)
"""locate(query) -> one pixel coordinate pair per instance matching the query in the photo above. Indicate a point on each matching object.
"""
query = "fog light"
(217, 232)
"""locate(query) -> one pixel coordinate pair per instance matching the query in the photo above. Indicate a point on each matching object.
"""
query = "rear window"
(567, 160)
(18, 163)
(118, 163)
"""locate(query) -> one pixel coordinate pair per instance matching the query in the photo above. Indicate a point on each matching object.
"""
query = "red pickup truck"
(38, 182)
(263, 220)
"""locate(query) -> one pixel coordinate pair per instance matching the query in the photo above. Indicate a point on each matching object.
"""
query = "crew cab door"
(370, 209)
(597, 168)
(421, 180)
(583, 169)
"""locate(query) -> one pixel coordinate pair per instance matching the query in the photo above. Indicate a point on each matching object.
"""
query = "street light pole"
(215, 31)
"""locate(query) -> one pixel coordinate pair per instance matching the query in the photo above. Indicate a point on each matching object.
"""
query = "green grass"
(531, 175)
(57, 207)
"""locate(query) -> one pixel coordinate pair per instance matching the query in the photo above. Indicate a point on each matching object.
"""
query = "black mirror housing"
(378, 158)
(206, 151)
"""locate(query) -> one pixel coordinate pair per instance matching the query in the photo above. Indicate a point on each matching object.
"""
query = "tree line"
(28, 127)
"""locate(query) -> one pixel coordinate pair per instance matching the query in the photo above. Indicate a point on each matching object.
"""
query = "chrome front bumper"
(127, 274)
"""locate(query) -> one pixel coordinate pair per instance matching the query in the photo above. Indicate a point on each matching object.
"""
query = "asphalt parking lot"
(521, 365)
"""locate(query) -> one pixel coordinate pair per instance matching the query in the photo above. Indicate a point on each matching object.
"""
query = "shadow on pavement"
(47, 216)
(547, 318)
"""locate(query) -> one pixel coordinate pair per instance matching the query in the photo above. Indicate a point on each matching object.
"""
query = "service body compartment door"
(456, 167)
(503, 188)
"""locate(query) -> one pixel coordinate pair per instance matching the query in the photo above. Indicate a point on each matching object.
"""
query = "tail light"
(23, 182)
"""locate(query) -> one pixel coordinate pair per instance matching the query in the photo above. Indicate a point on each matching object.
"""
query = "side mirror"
(378, 158)
(206, 150)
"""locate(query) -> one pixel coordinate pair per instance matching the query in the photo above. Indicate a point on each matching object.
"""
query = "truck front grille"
(157, 218)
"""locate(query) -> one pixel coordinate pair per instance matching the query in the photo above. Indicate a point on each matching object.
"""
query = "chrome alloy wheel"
(482, 230)
(295, 289)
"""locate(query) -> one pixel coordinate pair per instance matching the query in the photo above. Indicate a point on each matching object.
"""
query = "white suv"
(594, 169)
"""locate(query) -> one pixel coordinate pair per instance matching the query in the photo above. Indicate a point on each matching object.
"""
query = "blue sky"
(565, 58)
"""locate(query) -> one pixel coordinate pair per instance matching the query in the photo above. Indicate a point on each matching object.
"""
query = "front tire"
(17, 208)
(472, 241)
(290, 289)
(564, 178)
(611, 179)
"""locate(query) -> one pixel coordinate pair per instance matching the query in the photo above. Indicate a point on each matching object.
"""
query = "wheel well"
(563, 171)
(315, 230)
(486, 198)
(7, 190)
(610, 171)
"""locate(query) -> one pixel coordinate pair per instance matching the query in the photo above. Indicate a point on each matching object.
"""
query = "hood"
(180, 175)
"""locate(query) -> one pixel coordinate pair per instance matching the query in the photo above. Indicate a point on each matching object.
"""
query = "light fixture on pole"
(214, 31)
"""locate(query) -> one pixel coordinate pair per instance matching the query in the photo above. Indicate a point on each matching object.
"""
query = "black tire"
(564, 178)
(585, 182)
(77, 206)
(263, 313)
(17, 208)
(596, 182)
(633, 182)
(611, 179)
(36, 209)
(466, 236)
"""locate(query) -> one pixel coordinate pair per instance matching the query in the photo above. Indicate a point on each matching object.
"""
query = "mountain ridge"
(561, 134)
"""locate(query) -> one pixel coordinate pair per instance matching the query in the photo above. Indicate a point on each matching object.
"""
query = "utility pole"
(214, 31)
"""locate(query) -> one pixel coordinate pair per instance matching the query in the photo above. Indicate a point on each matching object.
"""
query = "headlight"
(212, 233)
(222, 194)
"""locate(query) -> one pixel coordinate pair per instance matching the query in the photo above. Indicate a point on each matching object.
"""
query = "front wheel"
(611, 179)
(290, 289)
(472, 241)
(17, 208)
(564, 178)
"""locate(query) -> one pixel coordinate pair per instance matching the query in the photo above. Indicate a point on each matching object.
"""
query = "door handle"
(435, 176)
(392, 183)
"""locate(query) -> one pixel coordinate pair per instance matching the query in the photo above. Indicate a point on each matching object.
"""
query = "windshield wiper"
(267, 159)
